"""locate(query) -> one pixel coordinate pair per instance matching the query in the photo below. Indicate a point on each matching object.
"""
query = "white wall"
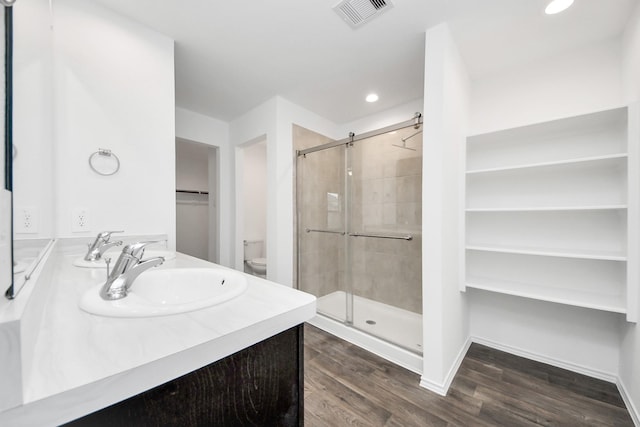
(581, 81)
(579, 339)
(630, 350)
(584, 80)
(113, 89)
(254, 191)
(445, 324)
(32, 116)
(214, 133)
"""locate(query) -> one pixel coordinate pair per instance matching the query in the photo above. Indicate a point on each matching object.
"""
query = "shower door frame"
(415, 122)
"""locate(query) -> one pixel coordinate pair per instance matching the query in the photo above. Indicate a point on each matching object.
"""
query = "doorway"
(197, 200)
(251, 175)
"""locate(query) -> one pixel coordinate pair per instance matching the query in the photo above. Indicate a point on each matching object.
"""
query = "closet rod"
(192, 191)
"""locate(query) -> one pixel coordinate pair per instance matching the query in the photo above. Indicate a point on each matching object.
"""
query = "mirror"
(29, 134)
(6, 255)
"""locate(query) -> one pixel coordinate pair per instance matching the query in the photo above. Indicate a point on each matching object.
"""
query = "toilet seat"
(262, 262)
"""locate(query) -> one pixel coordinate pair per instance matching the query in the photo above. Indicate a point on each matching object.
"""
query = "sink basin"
(115, 253)
(162, 292)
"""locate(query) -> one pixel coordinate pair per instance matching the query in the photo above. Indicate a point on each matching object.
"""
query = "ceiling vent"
(357, 12)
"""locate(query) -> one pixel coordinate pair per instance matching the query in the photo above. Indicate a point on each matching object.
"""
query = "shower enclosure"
(359, 222)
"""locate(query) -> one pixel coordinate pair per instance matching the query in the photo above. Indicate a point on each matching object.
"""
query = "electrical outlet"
(80, 220)
(25, 220)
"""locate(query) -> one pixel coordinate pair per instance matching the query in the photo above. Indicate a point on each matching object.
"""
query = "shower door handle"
(383, 236)
(309, 230)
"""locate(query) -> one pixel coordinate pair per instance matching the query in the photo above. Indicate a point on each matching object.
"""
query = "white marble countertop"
(84, 362)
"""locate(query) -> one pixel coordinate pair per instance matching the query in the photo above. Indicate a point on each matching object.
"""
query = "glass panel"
(320, 187)
(385, 208)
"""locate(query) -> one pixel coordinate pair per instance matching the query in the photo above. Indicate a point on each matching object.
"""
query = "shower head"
(404, 141)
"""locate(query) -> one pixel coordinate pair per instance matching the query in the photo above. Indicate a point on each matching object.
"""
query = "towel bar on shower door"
(378, 236)
(383, 236)
(310, 230)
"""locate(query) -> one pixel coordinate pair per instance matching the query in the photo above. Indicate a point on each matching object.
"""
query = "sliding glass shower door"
(385, 240)
(359, 212)
(321, 201)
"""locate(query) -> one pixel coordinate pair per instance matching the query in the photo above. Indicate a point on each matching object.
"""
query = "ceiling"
(233, 55)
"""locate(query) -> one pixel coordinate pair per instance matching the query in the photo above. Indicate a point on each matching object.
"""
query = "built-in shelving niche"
(551, 211)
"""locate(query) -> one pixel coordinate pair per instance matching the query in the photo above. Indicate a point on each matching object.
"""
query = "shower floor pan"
(395, 325)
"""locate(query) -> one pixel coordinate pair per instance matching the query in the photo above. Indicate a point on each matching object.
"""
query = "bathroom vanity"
(237, 363)
(261, 385)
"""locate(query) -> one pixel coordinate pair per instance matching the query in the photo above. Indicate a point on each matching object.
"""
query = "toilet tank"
(253, 249)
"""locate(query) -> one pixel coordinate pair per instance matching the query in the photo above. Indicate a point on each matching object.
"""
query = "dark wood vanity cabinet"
(262, 385)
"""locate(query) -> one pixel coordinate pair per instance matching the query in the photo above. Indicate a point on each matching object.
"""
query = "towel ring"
(105, 153)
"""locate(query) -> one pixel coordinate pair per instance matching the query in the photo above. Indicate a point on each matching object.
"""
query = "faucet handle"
(136, 249)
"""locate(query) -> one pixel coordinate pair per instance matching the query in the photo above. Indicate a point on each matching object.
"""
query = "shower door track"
(416, 122)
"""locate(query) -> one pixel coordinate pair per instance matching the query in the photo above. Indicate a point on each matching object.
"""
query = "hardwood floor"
(348, 386)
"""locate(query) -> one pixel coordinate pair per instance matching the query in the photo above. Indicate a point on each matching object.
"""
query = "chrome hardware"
(309, 230)
(100, 245)
(417, 117)
(379, 236)
(104, 152)
(126, 269)
(383, 236)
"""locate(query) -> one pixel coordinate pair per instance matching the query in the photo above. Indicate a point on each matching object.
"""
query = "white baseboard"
(443, 388)
(433, 386)
(601, 375)
(633, 411)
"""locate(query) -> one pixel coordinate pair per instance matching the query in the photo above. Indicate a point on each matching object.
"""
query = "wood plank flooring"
(348, 386)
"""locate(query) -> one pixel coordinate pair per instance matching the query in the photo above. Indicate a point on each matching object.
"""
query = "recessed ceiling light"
(372, 97)
(557, 6)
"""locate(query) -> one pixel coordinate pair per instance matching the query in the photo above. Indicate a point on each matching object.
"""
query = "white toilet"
(254, 261)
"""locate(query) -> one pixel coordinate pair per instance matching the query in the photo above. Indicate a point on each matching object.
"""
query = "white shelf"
(548, 208)
(578, 274)
(597, 301)
(550, 164)
(560, 253)
(591, 135)
(595, 234)
(586, 183)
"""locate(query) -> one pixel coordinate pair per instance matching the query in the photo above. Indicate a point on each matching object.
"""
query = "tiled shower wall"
(320, 176)
(386, 198)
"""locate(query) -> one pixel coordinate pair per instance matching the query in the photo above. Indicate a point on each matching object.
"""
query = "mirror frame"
(8, 128)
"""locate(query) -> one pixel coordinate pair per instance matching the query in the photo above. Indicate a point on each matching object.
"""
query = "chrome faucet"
(100, 245)
(127, 268)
